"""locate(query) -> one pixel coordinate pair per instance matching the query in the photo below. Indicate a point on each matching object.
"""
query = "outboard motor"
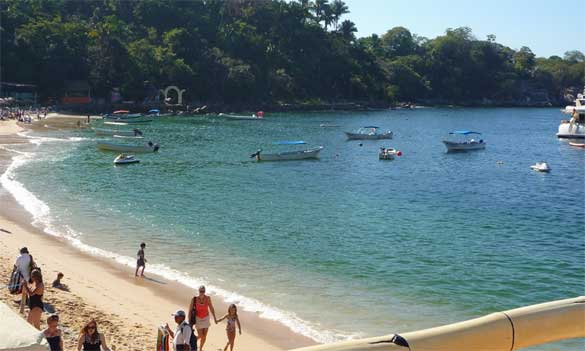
(156, 147)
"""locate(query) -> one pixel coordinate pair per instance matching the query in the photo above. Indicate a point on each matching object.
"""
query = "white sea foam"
(42, 219)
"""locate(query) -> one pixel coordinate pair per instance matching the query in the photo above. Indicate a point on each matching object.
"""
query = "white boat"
(582, 145)
(146, 148)
(388, 153)
(127, 122)
(369, 133)
(575, 127)
(312, 153)
(463, 140)
(253, 117)
(122, 115)
(124, 159)
(128, 136)
(326, 125)
(101, 131)
(541, 167)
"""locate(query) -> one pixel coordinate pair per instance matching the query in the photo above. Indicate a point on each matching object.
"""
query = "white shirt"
(23, 265)
(182, 334)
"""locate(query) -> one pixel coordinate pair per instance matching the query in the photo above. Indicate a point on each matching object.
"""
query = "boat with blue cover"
(464, 140)
(369, 133)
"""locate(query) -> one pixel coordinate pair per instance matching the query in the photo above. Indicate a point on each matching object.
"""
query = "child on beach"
(141, 262)
(53, 333)
(232, 320)
(57, 282)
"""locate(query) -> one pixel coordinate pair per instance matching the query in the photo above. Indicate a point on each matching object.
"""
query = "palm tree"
(338, 9)
(348, 29)
(322, 11)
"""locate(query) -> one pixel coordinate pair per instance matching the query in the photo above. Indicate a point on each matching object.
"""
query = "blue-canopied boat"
(464, 140)
(311, 153)
(369, 133)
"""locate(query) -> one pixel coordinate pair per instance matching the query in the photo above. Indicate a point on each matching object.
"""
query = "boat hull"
(99, 131)
(126, 148)
(465, 146)
(123, 116)
(291, 155)
(571, 130)
(582, 145)
(360, 136)
(241, 117)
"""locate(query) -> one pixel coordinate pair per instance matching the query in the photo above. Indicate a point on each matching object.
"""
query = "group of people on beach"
(22, 114)
(27, 280)
(30, 284)
(198, 317)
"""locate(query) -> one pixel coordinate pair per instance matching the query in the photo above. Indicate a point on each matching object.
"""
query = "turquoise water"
(344, 246)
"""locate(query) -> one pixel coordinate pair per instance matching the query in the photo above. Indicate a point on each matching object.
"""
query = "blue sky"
(548, 27)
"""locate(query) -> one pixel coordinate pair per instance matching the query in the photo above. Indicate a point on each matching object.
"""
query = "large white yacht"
(575, 127)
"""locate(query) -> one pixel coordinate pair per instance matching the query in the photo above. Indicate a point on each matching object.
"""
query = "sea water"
(342, 247)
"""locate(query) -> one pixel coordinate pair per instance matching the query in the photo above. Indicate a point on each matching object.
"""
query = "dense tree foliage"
(239, 51)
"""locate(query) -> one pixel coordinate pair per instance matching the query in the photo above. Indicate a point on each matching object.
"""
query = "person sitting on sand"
(183, 337)
(35, 293)
(232, 320)
(90, 338)
(57, 282)
(201, 306)
(141, 262)
(53, 333)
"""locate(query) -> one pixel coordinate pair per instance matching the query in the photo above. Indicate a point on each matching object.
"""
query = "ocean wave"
(42, 219)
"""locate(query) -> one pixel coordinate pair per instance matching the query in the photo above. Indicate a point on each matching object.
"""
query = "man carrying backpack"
(183, 338)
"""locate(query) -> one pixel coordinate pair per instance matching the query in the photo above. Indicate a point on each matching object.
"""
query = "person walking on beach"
(201, 306)
(53, 333)
(141, 262)
(23, 265)
(232, 320)
(183, 337)
(35, 291)
(90, 339)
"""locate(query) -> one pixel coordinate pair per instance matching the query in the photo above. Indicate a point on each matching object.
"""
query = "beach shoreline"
(110, 287)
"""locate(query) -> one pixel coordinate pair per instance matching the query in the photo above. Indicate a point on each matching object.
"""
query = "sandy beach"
(128, 309)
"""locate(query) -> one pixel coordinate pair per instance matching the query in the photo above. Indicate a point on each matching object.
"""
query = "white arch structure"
(180, 92)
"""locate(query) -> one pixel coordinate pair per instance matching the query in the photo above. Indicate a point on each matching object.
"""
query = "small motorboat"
(463, 141)
(253, 117)
(124, 159)
(312, 153)
(577, 144)
(369, 133)
(327, 125)
(128, 136)
(541, 167)
(388, 153)
(146, 148)
(102, 131)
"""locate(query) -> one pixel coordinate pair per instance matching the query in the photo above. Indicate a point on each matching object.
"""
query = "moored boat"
(124, 159)
(253, 117)
(369, 133)
(463, 140)
(145, 148)
(388, 153)
(122, 114)
(111, 132)
(311, 153)
(575, 127)
(577, 144)
(541, 167)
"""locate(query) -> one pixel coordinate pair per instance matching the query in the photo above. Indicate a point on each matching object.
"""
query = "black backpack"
(193, 340)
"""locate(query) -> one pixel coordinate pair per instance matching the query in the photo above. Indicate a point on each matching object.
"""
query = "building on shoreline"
(21, 93)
